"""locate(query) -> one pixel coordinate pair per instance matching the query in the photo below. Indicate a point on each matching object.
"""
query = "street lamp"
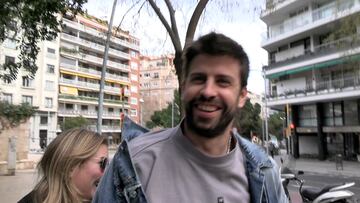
(266, 113)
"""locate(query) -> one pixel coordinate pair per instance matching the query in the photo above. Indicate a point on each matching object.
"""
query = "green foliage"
(76, 122)
(276, 124)
(27, 22)
(12, 115)
(248, 119)
(163, 118)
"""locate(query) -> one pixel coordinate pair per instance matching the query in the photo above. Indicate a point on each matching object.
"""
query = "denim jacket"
(121, 184)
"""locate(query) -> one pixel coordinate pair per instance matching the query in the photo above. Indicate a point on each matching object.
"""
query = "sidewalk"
(350, 168)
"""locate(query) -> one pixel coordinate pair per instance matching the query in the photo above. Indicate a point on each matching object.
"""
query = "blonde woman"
(70, 168)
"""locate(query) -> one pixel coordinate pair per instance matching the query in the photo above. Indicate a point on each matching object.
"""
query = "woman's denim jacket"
(120, 183)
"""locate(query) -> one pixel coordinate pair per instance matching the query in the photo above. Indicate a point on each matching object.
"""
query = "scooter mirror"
(300, 172)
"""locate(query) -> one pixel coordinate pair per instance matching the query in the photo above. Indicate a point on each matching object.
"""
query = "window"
(146, 75)
(156, 75)
(27, 99)
(134, 66)
(69, 106)
(51, 51)
(48, 102)
(9, 59)
(26, 81)
(133, 112)
(49, 85)
(307, 116)
(110, 110)
(134, 77)
(134, 89)
(50, 68)
(84, 107)
(43, 120)
(7, 98)
(133, 100)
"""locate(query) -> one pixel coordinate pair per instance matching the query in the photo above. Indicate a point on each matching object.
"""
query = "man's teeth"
(207, 107)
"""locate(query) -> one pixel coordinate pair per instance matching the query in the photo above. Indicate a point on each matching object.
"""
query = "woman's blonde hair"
(67, 151)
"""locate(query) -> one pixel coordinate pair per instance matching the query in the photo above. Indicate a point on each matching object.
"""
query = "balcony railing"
(346, 43)
(94, 72)
(324, 12)
(85, 98)
(87, 113)
(89, 85)
(321, 87)
(99, 34)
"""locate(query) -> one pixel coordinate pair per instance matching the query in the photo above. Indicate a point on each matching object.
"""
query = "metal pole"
(172, 112)
(103, 71)
(266, 116)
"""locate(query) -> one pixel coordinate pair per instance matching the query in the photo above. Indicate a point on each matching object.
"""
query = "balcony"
(93, 72)
(88, 85)
(329, 12)
(296, 55)
(95, 60)
(349, 84)
(92, 99)
(106, 128)
(98, 47)
(72, 112)
(96, 33)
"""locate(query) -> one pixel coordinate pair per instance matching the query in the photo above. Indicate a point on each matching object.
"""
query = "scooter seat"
(313, 193)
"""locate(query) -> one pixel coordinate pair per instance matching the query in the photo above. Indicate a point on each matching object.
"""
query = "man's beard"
(225, 119)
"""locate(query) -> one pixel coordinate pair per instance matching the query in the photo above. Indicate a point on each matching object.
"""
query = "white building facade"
(314, 71)
(40, 92)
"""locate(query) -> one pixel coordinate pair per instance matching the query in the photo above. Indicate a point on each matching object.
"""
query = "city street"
(12, 188)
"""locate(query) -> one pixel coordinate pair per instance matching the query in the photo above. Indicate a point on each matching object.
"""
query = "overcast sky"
(240, 22)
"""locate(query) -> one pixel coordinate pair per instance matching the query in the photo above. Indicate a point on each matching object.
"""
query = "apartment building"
(314, 73)
(40, 92)
(82, 44)
(158, 82)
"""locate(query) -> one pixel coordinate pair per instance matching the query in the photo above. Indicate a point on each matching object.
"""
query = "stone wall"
(21, 134)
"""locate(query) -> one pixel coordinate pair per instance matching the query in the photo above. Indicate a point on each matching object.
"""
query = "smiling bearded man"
(203, 159)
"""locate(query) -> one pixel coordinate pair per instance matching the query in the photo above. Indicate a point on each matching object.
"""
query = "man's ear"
(242, 97)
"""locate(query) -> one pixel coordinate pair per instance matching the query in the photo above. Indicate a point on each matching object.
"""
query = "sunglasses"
(103, 163)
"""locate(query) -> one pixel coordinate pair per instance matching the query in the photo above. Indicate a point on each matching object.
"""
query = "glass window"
(328, 114)
(49, 85)
(48, 102)
(133, 100)
(69, 106)
(51, 51)
(351, 112)
(43, 120)
(156, 75)
(110, 110)
(133, 112)
(338, 121)
(9, 59)
(50, 68)
(307, 115)
(84, 107)
(26, 81)
(7, 98)
(27, 99)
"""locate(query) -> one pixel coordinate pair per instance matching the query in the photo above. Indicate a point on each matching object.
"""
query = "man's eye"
(197, 79)
(223, 82)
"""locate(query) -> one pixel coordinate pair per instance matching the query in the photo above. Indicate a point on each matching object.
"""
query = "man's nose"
(209, 89)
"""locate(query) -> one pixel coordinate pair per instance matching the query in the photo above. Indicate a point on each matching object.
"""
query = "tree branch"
(194, 21)
(173, 22)
(175, 41)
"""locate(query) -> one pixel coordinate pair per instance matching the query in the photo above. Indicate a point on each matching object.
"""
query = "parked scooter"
(330, 193)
